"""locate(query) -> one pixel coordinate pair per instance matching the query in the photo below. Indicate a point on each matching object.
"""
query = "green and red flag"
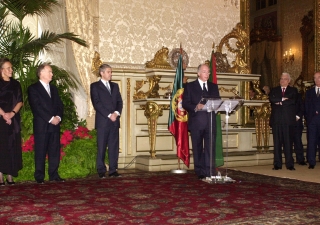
(178, 117)
(219, 147)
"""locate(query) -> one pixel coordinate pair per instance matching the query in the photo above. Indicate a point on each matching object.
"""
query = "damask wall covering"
(132, 31)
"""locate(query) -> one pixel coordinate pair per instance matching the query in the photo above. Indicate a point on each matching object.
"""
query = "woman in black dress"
(10, 136)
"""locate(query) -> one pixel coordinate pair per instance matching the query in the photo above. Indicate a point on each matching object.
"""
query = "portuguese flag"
(219, 146)
(178, 117)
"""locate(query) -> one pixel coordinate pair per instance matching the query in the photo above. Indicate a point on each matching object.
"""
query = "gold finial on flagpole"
(213, 46)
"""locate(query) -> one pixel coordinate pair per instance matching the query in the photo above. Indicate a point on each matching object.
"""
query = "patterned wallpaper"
(132, 31)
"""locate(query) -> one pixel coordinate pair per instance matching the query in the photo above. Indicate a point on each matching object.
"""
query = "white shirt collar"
(44, 84)
(201, 83)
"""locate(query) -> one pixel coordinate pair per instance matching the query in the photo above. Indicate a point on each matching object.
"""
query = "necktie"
(108, 87)
(283, 90)
(318, 92)
(48, 90)
(204, 89)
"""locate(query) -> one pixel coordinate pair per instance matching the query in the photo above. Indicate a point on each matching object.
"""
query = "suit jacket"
(44, 107)
(312, 105)
(105, 103)
(191, 97)
(299, 109)
(284, 114)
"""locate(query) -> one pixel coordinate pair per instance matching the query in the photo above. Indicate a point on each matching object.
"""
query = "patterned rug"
(162, 198)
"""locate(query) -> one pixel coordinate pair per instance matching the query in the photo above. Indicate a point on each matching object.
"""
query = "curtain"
(82, 17)
(271, 56)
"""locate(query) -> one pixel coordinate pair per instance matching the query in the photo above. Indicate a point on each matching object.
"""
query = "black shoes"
(276, 168)
(201, 177)
(102, 175)
(10, 182)
(40, 181)
(115, 174)
(2, 184)
(311, 167)
(291, 168)
(302, 163)
(58, 179)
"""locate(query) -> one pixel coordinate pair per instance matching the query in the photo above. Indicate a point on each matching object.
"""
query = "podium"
(218, 105)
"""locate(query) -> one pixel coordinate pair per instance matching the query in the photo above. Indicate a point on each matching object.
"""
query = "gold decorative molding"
(259, 95)
(160, 60)
(262, 117)
(228, 90)
(152, 111)
(239, 64)
(96, 63)
(245, 21)
(152, 91)
(128, 116)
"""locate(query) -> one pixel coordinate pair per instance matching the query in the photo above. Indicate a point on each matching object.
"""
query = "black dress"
(10, 136)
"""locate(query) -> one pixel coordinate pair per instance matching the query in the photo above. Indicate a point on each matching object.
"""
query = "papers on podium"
(216, 104)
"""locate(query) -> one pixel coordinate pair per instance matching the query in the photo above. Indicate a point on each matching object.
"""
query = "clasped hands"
(55, 120)
(280, 103)
(113, 117)
(7, 117)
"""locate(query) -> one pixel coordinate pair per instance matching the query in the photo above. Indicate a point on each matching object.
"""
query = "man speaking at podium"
(199, 121)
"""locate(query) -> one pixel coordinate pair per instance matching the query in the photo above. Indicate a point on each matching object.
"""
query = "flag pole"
(179, 170)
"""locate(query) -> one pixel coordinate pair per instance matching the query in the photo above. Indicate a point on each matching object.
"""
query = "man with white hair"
(283, 119)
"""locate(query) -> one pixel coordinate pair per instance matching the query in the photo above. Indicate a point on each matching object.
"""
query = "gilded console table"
(153, 109)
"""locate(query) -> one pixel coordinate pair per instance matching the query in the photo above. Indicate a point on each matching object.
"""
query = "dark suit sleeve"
(101, 104)
(187, 102)
(119, 102)
(96, 101)
(291, 93)
(274, 97)
(299, 106)
(37, 106)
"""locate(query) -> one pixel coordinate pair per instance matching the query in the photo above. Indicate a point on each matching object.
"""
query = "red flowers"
(82, 133)
(28, 145)
(66, 138)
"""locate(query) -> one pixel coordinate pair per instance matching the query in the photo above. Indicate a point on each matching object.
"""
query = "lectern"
(218, 105)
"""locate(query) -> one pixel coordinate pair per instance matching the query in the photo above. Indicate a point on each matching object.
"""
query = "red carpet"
(162, 198)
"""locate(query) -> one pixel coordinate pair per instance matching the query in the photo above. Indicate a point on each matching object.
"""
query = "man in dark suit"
(297, 141)
(199, 121)
(47, 109)
(312, 116)
(107, 101)
(283, 119)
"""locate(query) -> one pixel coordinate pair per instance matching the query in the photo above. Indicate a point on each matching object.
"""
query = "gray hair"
(41, 67)
(199, 67)
(103, 67)
(287, 74)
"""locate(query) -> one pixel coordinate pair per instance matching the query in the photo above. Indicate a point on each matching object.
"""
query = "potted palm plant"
(23, 48)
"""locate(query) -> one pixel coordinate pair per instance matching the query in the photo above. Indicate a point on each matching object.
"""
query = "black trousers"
(282, 139)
